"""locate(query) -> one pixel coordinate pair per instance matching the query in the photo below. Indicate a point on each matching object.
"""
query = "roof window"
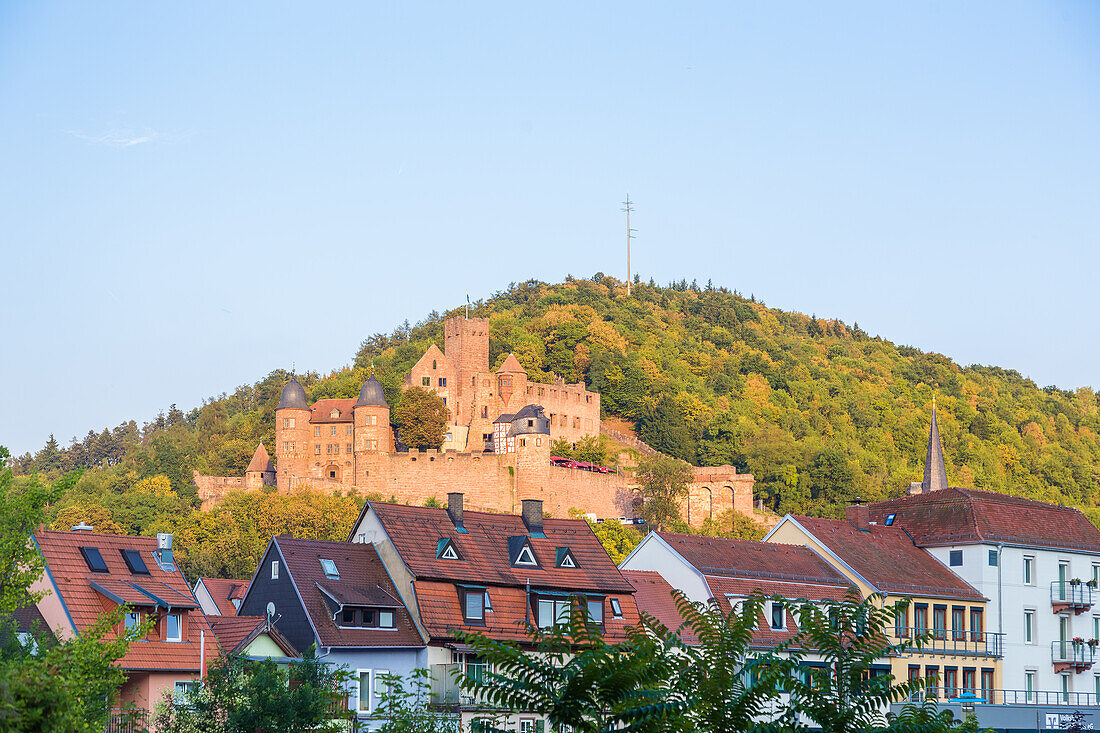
(135, 562)
(445, 550)
(330, 568)
(616, 608)
(564, 558)
(525, 557)
(334, 414)
(94, 559)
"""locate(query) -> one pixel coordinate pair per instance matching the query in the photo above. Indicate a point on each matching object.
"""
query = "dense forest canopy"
(817, 410)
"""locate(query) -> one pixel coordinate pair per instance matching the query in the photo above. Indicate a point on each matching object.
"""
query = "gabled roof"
(965, 516)
(323, 408)
(363, 581)
(224, 591)
(84, 602)
(416, 531)
(654, 596)
(235, 633)
(511, 365)
(887, 559)
(261, 461)
(763, 561)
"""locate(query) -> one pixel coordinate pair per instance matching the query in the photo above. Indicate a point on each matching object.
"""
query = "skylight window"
(890, 519)
(616, 608)
(329, 567)
(135, 562)
(445, 549)
(565, 558)
(94, 559)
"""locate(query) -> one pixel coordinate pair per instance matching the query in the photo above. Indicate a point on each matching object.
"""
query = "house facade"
(87, 574)
(1039, 565)
(962, 655)
(220, 596)
(462, 571)
(338, 598)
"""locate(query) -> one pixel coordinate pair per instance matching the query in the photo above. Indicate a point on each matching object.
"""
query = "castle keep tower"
(531, 431)
(292, 436)
(466, 344)
(372, 426)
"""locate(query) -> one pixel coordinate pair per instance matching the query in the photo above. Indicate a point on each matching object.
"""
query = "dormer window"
(564, 558)
(520, 553)
(445, 550)
(334, 414)
(368, 618)
(526, 557)
(475, 602)
(329, 568)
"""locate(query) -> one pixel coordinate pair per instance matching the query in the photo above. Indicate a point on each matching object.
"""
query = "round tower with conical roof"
(292, 437)
(372, 425)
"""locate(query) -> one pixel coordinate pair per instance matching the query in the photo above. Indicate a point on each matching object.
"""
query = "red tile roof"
(261, 461)
(235, 633)
(362, 576)
(224, 591)
(416, 531)
(441, 612)
(74, 581)
(965, 516)
(887, 558)
(323, 408)
(748, 559)
(654, 596)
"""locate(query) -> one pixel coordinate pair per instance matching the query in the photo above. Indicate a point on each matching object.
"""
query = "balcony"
(1072, 655)
(950, 642)
(1068, 595)
(446, 694)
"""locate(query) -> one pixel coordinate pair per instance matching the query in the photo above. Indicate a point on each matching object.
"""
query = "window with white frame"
(1029, 685)
(173, 627)
(1029, 570)
(1029, 626)
(527, 725)
(552, 611)
(133, 619)
(362, 703)
(182, 690)
(381, 687)
(274, 569)
(1065, 687)
(617, 609)
(777, 615)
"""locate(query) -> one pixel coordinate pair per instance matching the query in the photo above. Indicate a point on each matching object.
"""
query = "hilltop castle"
(497, 450)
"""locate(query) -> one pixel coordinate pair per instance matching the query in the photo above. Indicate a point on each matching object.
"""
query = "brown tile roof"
(261, 461)
(511, 365)
(749, 559)
(441, 613)
(964, 516)
(323, 408)
(362, 575)
(654, 596)
(887, 558)
(416, 532)
(224, 591)
(237, 632)
(74, 582)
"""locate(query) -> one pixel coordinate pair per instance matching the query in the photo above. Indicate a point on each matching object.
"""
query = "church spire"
(935, 471)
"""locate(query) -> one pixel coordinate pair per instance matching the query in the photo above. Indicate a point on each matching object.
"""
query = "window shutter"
(540, 726)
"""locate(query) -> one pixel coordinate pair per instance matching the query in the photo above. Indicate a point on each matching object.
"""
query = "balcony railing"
(1013, 697)
(1067, 595)
(1072, 655)
(129, 720)
(446, 693)
(954, 642)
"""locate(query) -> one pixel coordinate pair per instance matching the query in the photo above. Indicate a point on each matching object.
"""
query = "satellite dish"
(270, 609)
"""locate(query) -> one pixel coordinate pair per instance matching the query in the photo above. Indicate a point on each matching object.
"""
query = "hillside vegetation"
(817, 410)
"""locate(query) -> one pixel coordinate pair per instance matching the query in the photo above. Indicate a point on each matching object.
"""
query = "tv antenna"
(628, 206)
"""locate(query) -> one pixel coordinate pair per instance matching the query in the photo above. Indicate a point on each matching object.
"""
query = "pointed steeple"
(935, 471)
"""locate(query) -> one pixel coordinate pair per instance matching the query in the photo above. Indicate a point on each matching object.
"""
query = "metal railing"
(1010, 697)
(1070, 595)
(446, 692)
(953, 642)
(128, 720)
(1077, 654)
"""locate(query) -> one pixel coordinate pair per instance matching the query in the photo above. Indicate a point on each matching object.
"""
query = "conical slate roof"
(935, 472)
(372, 395)
(293, 396)
(261, 461)
(511, 365)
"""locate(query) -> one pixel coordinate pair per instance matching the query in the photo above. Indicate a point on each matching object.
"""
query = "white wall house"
(1024, 556)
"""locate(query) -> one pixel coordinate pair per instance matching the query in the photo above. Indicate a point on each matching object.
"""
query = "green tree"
(406, 706)
(243, 696)
(22, 510)
(617, 538)
(421, 418)
(663, 483)
(665, 429)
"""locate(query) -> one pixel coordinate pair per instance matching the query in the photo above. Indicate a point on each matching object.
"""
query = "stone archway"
(332, 472)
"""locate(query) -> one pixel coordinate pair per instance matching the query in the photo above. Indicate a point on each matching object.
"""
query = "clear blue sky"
(194, 194)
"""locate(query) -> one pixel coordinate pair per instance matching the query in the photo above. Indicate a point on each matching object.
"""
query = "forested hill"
(819, 411)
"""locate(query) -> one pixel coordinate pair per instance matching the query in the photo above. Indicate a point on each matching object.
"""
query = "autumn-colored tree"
(663, 483)
(421, 418)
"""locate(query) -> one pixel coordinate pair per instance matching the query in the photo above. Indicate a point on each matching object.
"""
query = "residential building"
(463, 571)
(962, 655)
(1038, 563)
(220, 596)
(338, 598)
(87, 574)
(252, 637)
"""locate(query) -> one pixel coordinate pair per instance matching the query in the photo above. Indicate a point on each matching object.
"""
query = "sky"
(194, 194)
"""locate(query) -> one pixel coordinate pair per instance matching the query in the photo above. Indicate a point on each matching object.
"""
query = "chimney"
(532, 516)
(82, 527)
(859, 516)
(163, 552)
(454, 508)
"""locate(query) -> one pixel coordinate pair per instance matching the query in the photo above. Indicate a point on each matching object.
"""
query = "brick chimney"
(859, 517)
(532, 516)
(454, 508)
